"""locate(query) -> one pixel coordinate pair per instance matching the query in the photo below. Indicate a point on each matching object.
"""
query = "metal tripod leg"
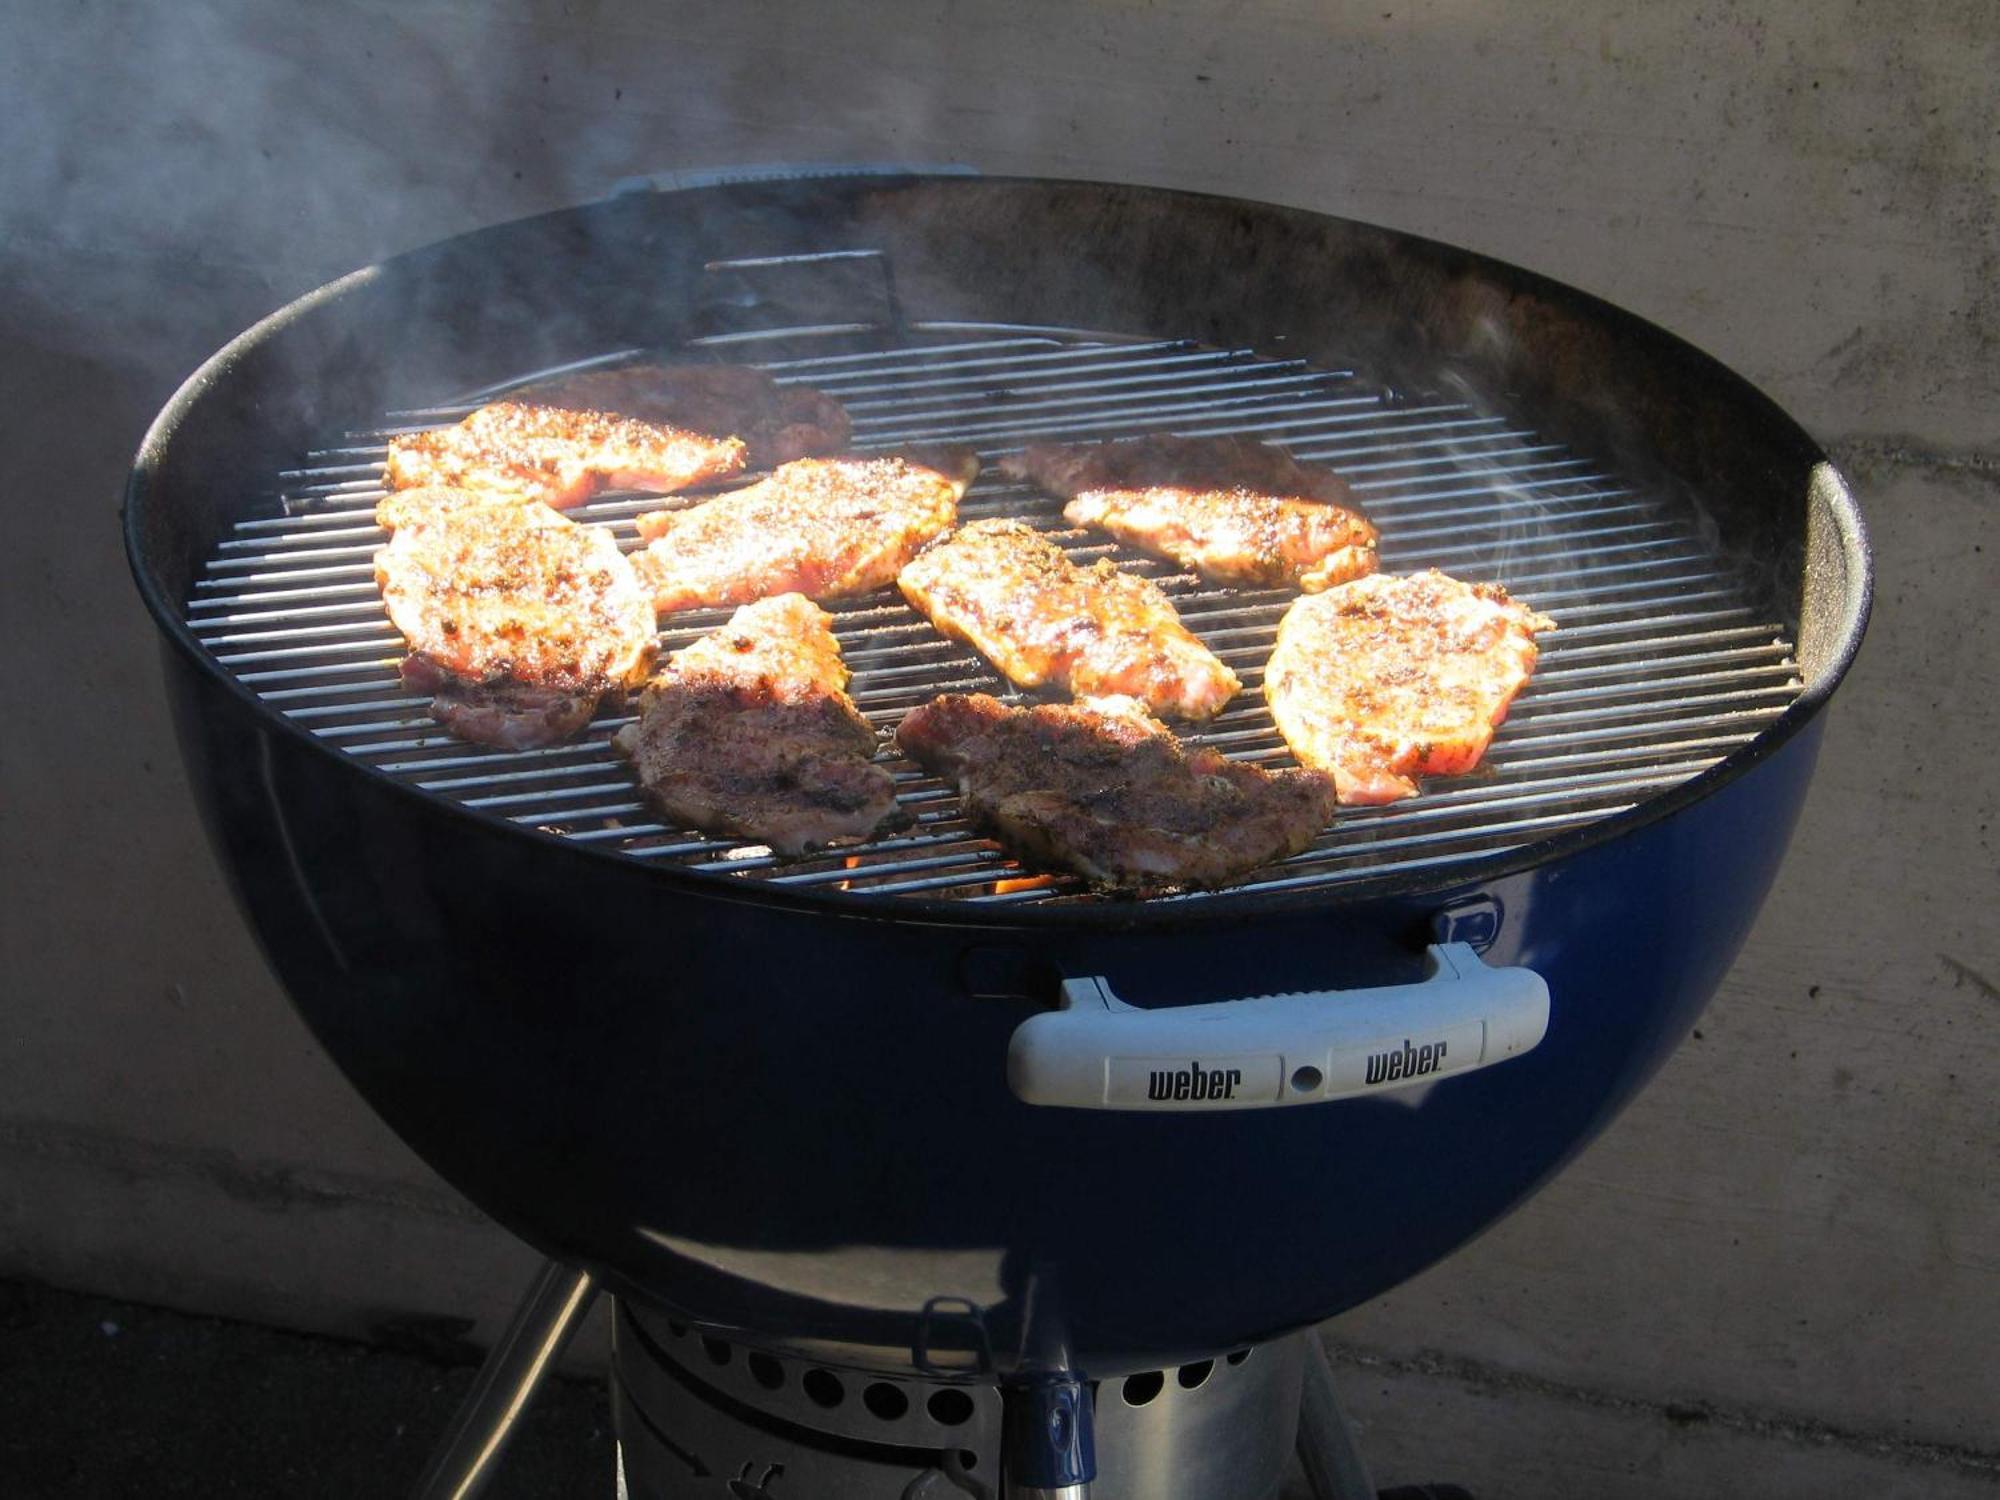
(1050, 1449)
(1326, 1445)
(521, 1358)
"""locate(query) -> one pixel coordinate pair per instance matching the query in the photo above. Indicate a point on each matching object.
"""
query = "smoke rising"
(172, 171)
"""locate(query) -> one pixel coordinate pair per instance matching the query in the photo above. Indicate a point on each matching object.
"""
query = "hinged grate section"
(1661, 664)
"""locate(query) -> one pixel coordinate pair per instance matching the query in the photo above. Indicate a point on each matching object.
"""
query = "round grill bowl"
(784, 1110)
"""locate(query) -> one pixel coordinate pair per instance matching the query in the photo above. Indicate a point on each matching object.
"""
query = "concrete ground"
(106, 1398)
(109, 1399)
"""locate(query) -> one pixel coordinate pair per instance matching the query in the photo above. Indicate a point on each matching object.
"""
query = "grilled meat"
(1389, 678)
(823, 527)
(1237, 511)
(1068, 469)
(558, 455)
(501, 711)
(1104, 789)
(776, 423)
(749, 731)
(518, 619)
(1039, 618)
(430, 502)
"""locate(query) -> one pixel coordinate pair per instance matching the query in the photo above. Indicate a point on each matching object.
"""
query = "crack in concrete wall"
(1911, 453)
(276, 1187)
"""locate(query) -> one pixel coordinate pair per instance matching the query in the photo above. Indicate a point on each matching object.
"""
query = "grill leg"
(1050, 1452)
(1326, 1445)
(521, 1358)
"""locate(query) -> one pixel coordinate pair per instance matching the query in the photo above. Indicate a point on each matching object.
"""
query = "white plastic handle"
(1097, 1052)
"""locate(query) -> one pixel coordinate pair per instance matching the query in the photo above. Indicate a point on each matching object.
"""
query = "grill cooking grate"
(1659, 668)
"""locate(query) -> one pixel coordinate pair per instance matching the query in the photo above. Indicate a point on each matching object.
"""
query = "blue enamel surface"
(799, 1122)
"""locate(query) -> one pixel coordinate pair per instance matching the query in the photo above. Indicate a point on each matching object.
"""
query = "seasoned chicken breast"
(1042, 620)
(557, 455)
(750, 732)
(1104, 789)
(777, 423)
(1236, 511)
(1389, 678)
(823, 527)
(518, 620)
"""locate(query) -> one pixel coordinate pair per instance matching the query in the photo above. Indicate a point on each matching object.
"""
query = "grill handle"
(754, 294)
(1097, 1052)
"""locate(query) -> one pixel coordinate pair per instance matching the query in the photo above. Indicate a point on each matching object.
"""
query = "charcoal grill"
(871, 1112)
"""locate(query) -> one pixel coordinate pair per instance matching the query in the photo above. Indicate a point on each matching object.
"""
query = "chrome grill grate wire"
(1660, 667)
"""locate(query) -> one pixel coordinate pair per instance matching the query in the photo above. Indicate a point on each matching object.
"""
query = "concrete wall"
(1776, 1275)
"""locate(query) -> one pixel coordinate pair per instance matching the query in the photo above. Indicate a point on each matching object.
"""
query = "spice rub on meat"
(558, 455)
(777, 423)
(823, 527)
(1235, 510)
(1104, 789)
(431, 502)
(1389, 678)
(1013, 594)
(518, 620)
(749, 731)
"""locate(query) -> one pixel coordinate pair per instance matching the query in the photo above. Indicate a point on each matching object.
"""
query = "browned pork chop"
(557, 455)
(518, 619)
(1162, 458)
(1235, 510)
(1041, 619)
(502, 712)
(750, 732)
(777, 423)
(1389, 678)
(823, 527)
(1104, 789)
(430, 502)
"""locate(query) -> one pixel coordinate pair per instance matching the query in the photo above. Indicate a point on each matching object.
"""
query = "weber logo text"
(1194, 1082)
(1405, 1061)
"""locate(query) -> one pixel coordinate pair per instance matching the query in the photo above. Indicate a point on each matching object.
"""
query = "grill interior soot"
(1661, 664)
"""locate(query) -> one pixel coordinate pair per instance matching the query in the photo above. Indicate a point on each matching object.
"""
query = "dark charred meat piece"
(558, 455)
(1069, 469)
(501, 712)
(1039, 618)
(1389, 678)
(750, 732)
(1104, 789)
(822, 527)
(518, 620)
(1235, 510)
(777, 423)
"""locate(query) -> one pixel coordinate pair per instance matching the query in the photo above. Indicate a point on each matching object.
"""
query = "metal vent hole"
(1193, 1376)
(1237, 1356)
(1307, 1079)
(885, 1401)
(823, 1388)
(717, 1351)
(950, 1407)
(1140, 1389)
(766, 1371)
